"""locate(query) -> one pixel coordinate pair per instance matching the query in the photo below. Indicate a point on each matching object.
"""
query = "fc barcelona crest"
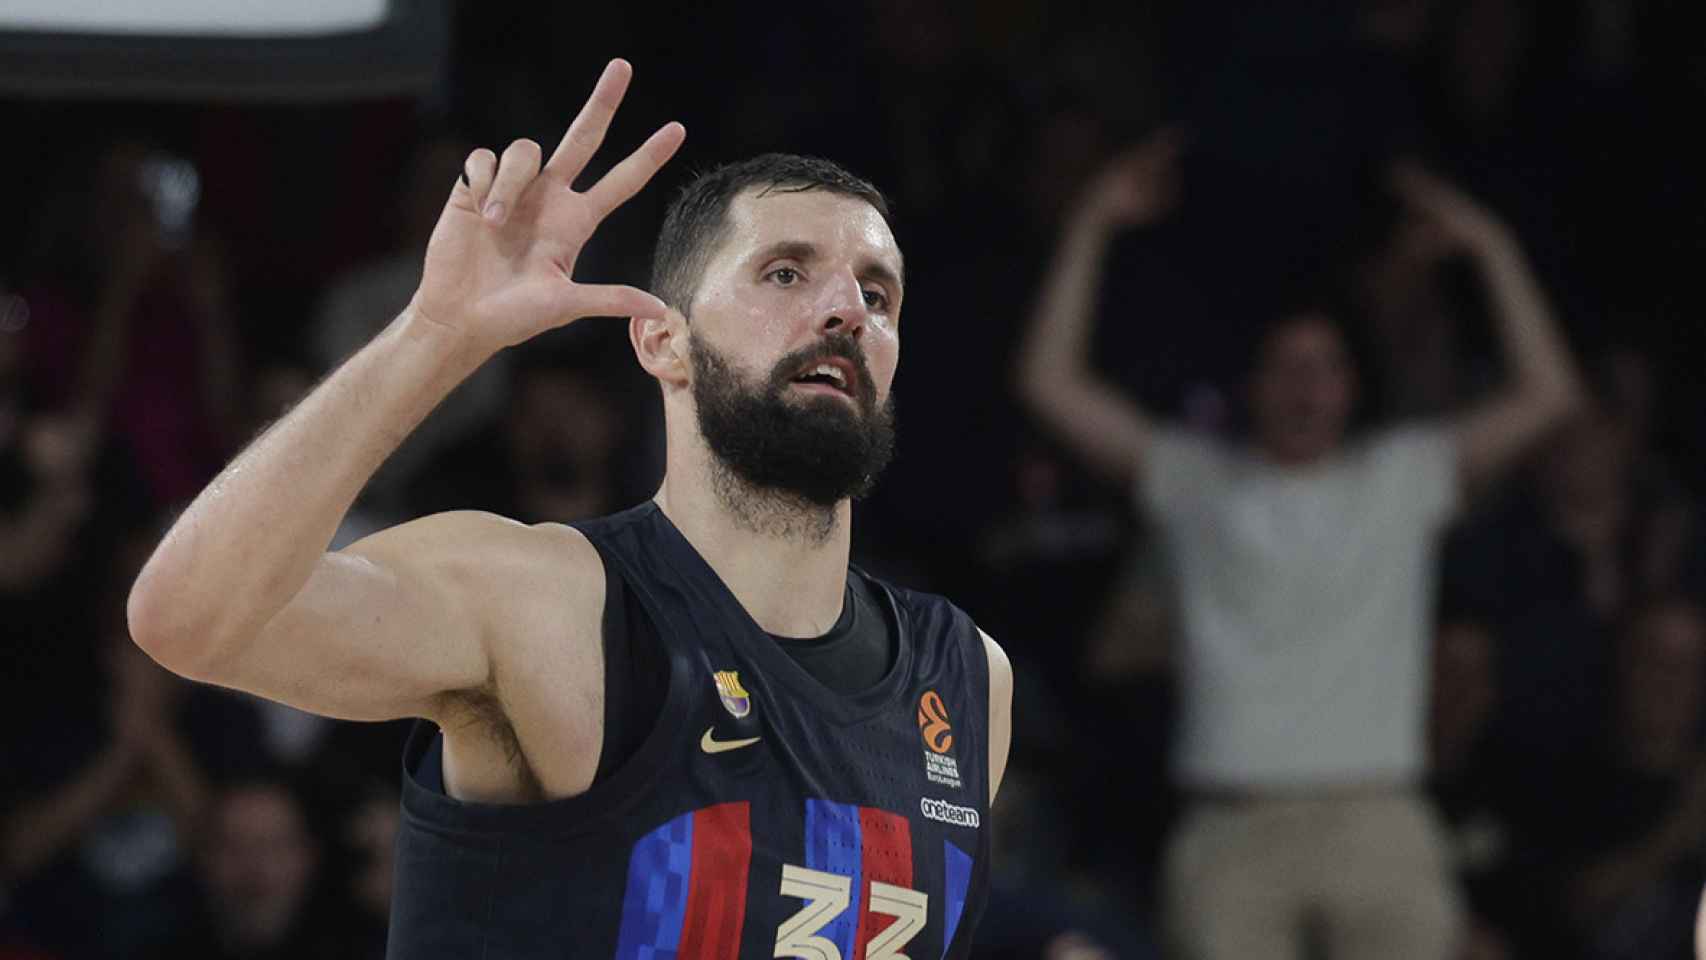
(734, 696)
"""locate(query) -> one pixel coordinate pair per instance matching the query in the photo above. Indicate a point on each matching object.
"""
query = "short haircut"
(697, 216)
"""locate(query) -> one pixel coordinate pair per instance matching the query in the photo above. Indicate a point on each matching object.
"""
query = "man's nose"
(841, 308)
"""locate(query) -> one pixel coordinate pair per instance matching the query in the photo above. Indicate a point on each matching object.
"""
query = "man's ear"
(661, 346)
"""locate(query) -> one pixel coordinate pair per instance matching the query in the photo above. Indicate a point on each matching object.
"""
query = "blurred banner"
(251, 50)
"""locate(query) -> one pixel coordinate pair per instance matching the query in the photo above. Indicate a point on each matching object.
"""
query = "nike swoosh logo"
(710, 744)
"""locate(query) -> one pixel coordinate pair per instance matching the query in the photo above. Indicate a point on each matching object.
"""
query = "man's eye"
(876, 300)
(786, 276)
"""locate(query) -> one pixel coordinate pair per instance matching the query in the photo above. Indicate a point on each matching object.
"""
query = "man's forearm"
(250, 540)
(1526, 328)
(1058, 342)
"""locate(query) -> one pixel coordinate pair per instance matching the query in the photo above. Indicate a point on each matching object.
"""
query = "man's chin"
(828, 420)
(804, 491)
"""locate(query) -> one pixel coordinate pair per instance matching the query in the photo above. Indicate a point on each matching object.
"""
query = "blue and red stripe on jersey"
(686, 892)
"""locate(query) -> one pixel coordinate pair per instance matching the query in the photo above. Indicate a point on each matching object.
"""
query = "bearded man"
(690, 728)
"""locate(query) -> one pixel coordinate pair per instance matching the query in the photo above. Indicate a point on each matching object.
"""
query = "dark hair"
(695, 220)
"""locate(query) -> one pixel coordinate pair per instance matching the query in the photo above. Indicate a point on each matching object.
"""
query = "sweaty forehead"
(833, 222)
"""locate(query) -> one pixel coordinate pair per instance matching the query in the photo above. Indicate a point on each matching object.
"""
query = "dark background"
(1576, 122)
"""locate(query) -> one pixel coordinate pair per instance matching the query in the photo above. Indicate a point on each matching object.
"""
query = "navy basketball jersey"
(764, 816)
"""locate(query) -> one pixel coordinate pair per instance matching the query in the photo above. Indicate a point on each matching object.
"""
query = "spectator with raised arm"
(1304, 562)
(132, 325)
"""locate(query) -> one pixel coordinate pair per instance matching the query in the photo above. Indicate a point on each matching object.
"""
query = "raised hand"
(1443, 211)
(500, 265)
(1138, 187)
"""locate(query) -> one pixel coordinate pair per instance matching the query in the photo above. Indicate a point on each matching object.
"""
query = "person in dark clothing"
(1633, 853)
(817, 773)
(256, 870)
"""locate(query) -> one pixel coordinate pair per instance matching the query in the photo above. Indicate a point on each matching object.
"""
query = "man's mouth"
(834, 373)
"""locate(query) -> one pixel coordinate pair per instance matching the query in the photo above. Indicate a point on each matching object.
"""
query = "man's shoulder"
(503, 566)
(503, 543)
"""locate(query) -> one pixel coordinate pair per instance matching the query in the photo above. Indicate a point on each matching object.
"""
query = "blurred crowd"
(1299, 237)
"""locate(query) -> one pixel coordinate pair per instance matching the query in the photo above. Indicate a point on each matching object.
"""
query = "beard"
(813, 449)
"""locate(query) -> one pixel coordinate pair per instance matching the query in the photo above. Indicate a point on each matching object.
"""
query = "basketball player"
(688, 729)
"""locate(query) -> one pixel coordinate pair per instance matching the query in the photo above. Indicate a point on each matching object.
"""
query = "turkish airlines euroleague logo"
(933, 722)
(938, 736)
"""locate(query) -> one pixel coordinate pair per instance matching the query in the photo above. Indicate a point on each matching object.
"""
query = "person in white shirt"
(1304, 563)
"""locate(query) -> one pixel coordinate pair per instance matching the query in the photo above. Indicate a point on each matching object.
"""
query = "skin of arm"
(241, 592)
(37, 539)
(1000, 712)
(1055, 378)
(1544, 388)
(244, 571)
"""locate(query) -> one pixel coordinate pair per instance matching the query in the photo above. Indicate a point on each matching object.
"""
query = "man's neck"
(784, 560)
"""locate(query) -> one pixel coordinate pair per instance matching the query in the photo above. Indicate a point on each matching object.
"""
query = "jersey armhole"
(636, 676)
(619, 781)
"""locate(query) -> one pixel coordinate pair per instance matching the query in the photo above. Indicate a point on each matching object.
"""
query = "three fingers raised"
(494, 186)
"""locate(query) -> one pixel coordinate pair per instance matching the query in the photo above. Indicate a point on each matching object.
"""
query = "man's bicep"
(362, 641)
(391, 624)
